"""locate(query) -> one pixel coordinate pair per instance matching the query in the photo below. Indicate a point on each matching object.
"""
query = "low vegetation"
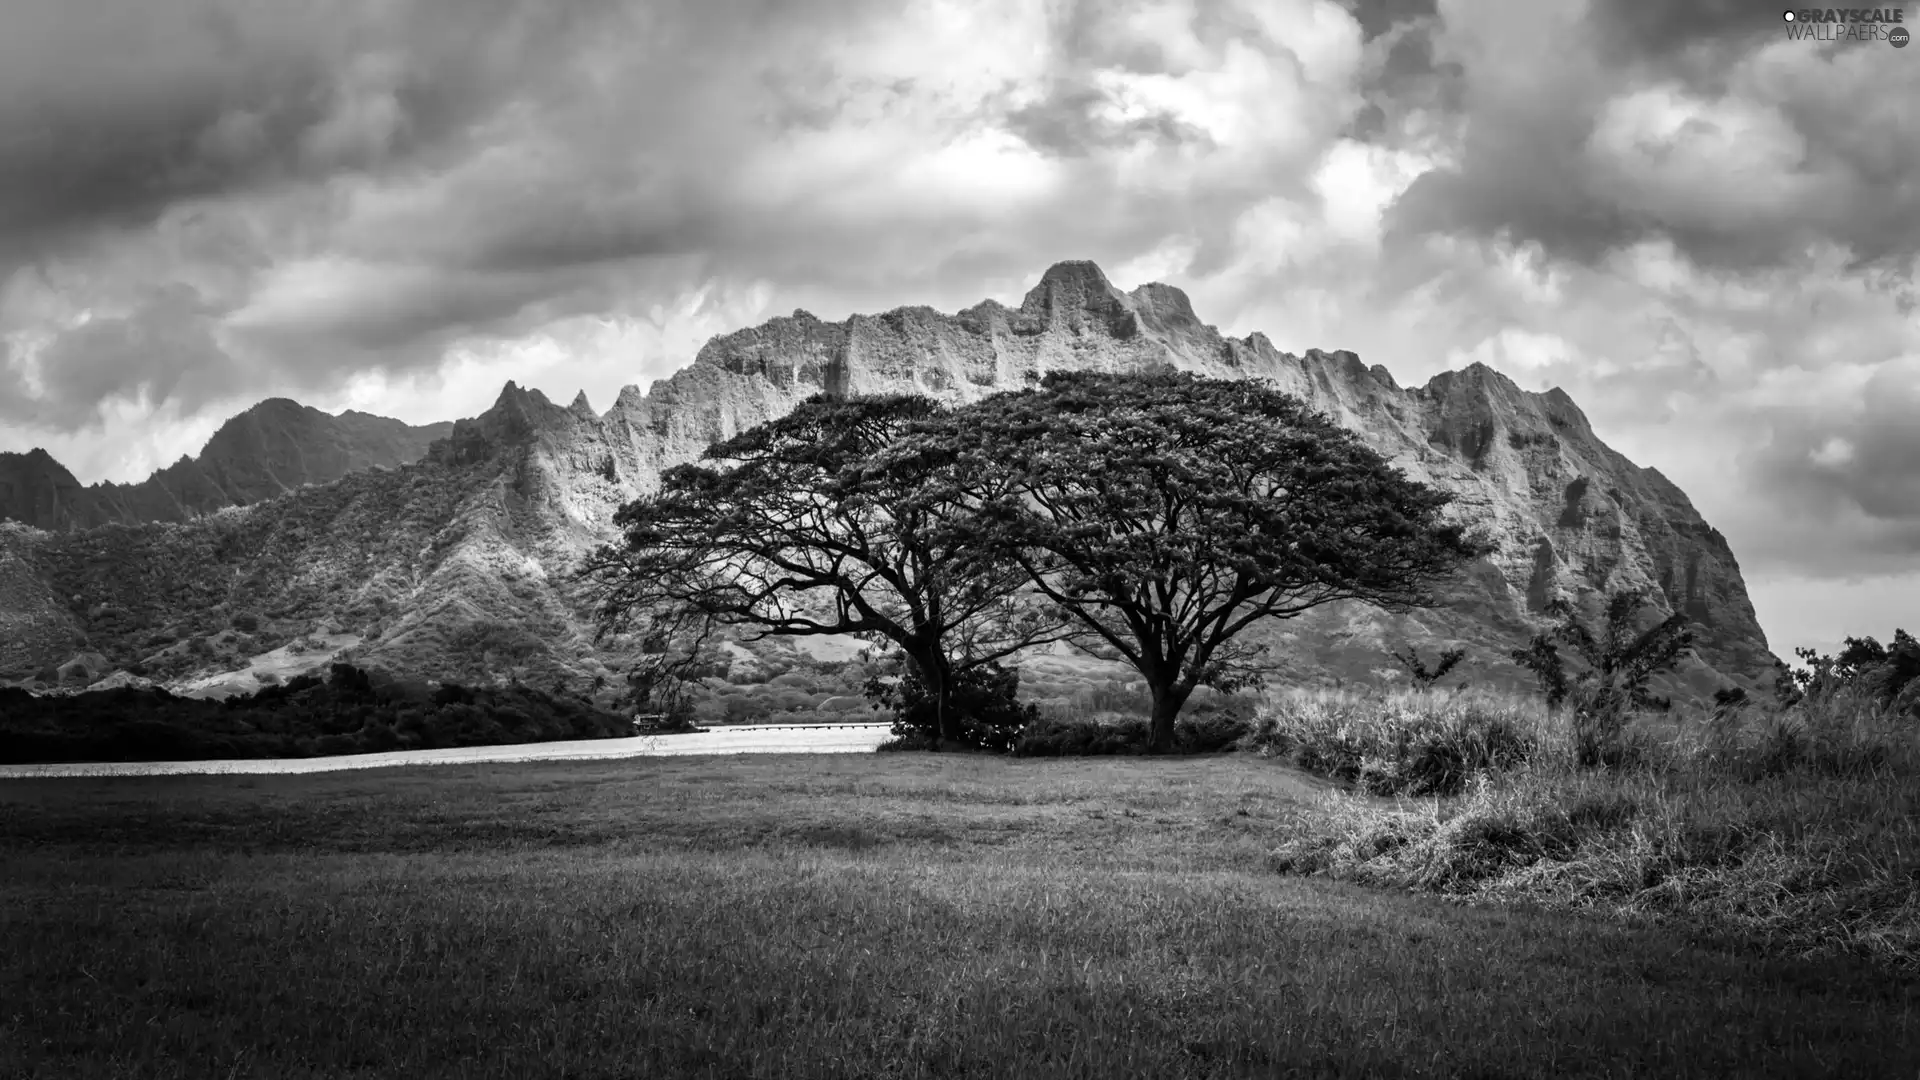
(1795, 828)
(351, 711)
(897, 915)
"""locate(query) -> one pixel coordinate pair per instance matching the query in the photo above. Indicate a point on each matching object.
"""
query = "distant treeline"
(351, 711)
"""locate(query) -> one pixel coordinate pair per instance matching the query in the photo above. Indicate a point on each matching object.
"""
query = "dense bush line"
(350, 712)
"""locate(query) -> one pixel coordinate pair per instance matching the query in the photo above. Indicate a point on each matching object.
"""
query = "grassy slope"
(895, 915)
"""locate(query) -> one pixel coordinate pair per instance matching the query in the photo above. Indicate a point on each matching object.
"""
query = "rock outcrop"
(464, 557)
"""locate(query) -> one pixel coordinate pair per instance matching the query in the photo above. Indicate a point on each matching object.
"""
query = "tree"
(1164, 514)
(785, 529)
(987, 696)
(1888, 672)
(673, 646)
(1423, 677)
(1620, 659)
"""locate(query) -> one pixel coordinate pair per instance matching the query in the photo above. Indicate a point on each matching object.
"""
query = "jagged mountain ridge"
(268, 450)
(462, 559)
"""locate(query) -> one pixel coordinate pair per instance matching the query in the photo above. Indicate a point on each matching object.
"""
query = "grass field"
(892, 915)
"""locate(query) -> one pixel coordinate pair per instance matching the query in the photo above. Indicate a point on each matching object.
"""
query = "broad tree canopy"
(784, 530)
(1166, 513)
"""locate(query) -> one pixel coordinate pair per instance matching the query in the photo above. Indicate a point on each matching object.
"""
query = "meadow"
(887, 915)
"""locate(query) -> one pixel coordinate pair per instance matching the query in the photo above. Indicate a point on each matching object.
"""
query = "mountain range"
(446, 551)
(269, 450)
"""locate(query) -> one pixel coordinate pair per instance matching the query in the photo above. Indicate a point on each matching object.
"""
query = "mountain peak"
(581, 407)
(1476, 374)
(630, 398)
(1075, 271)
(1070, 284)
(1166, 302)
(514, 397)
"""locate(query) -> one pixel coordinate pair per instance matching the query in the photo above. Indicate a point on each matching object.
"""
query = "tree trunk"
(1167, 701)
(936, 676)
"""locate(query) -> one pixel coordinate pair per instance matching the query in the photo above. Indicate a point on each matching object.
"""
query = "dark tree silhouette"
(1890, 672)
(674, 640)
(786, 530)
(1619, 658)
(1423, 676)
(1618, 662)
(1164, 514)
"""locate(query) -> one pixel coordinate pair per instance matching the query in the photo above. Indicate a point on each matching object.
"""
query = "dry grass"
(1797, 829)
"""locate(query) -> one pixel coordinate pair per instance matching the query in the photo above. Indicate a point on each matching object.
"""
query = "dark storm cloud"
(1377, 17)
(1856, 467)
(1067, 122)
(111, 112)
(163, 353)
(1657, 32)
(1068, 119)
(1403, 77)
(1699, 123)
(1542, 202)
(381, 177)
(1411, 73)
(737, 138)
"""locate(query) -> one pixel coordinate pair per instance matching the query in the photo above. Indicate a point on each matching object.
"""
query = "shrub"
(1208, 733)
(1067, 736)
(986, 696)
(1424, 677)
(351, 711)
(1619, 660)
(1890, 673)
(911, 740)
(1055, 736)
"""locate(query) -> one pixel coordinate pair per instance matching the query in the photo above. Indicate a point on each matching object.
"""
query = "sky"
(1704, 230)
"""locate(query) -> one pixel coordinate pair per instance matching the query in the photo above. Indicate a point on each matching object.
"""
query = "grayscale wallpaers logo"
(1848, 24)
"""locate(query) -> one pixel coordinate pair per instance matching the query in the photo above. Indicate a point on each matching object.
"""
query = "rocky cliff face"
(459, 563)
(267, 451)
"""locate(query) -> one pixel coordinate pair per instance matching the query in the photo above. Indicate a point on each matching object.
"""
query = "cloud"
(112, 113)
(1676, 214)
(1703, 231)
(1849, 463)
(1378, 18)
(161, 352)
(1705, 126)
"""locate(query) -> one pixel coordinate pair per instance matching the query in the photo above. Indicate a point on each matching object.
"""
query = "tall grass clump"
(1796, 826)
(1405, 742)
